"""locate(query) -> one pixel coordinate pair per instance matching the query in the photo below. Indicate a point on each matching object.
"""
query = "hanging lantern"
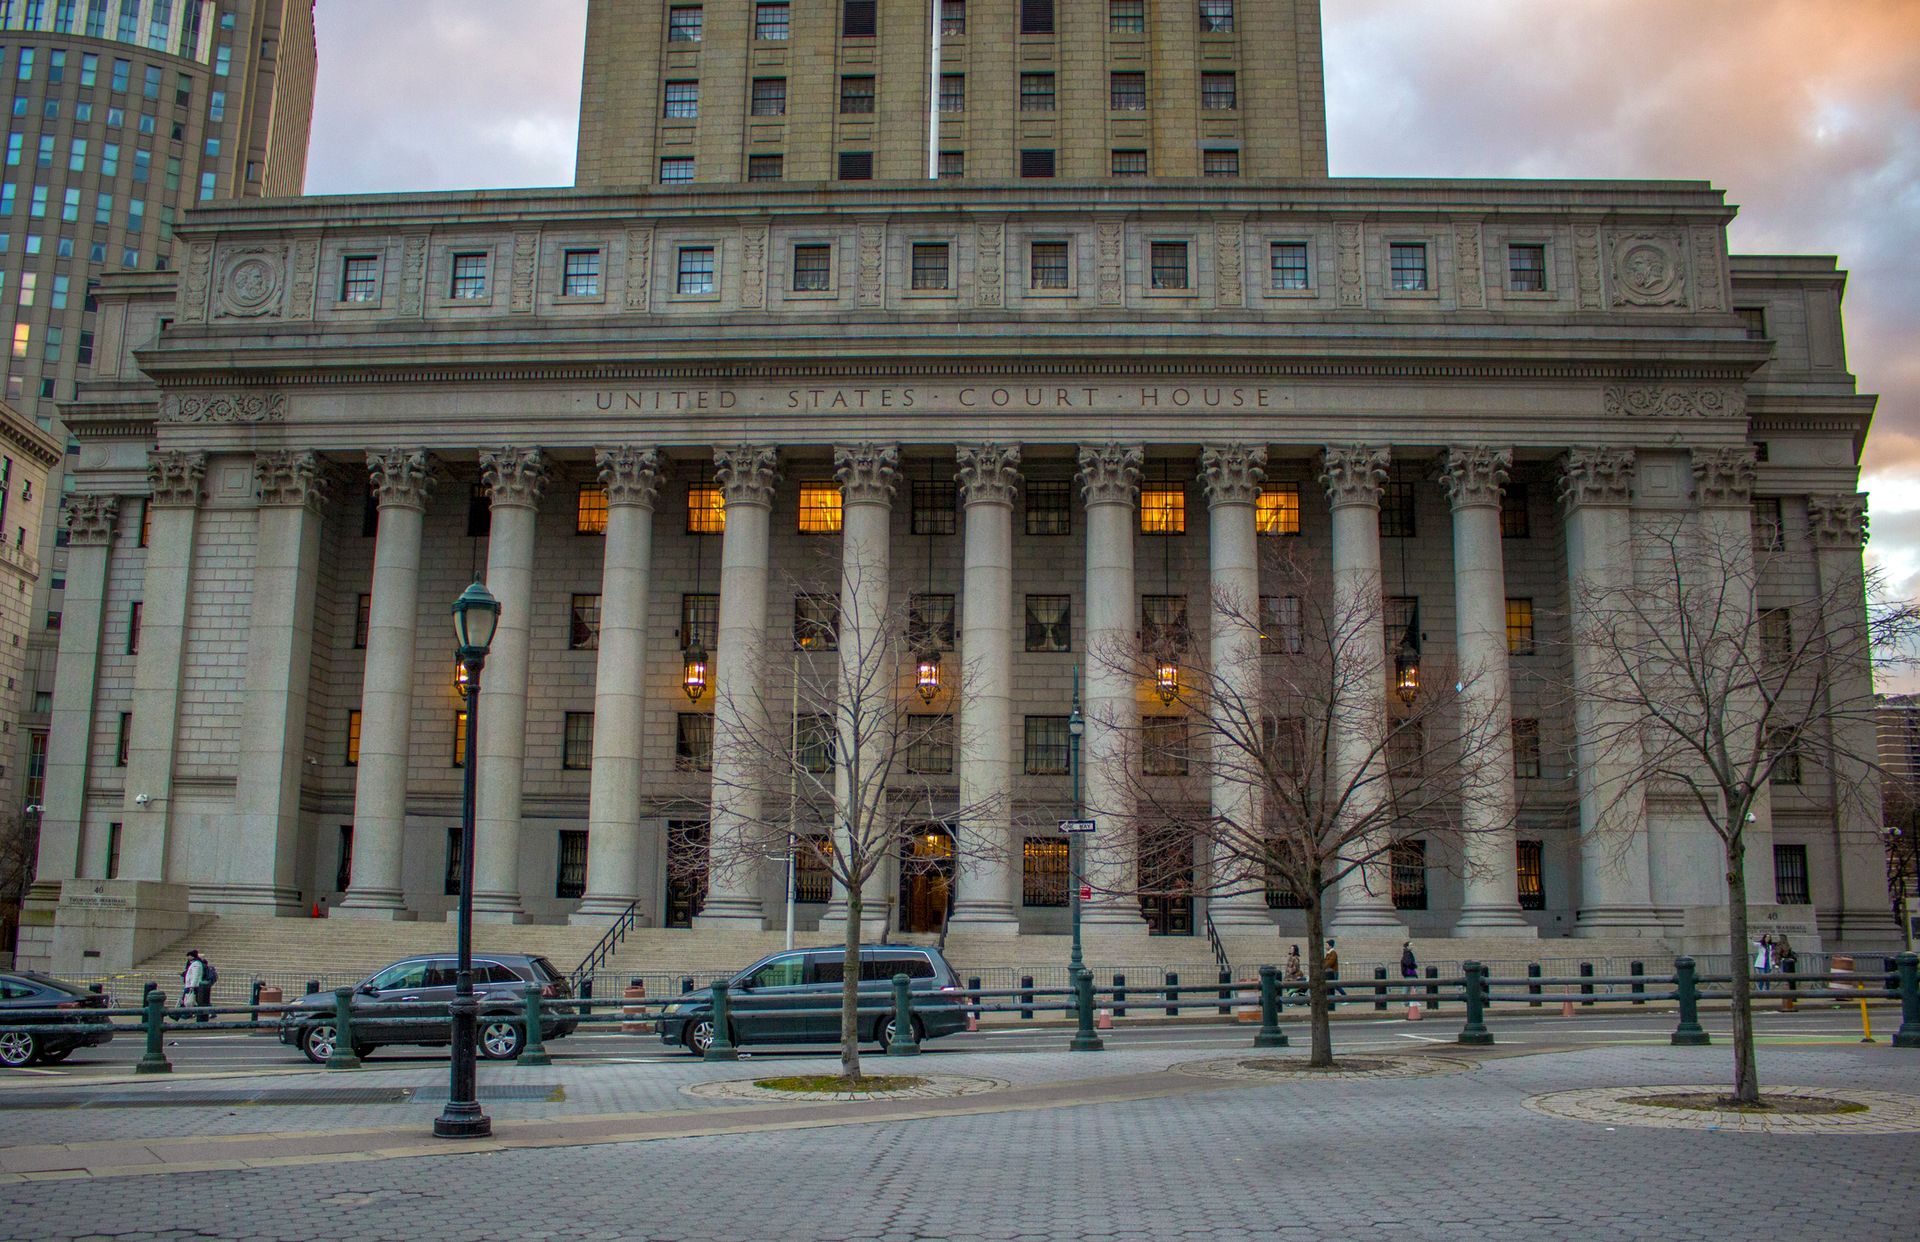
(1406, 673)
(927, 674)
(694, 680)
(1166, 678)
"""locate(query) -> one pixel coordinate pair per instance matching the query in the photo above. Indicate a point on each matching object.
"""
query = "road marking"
(1425, 1039)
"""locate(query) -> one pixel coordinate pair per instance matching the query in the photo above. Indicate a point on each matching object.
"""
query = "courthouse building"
(1125, 337)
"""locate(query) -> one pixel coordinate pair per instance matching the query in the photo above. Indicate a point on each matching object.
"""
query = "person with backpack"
(196, 982)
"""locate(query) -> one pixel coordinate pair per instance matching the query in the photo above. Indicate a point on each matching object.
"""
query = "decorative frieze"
(1232, 473)
(1469, 276)
(1111, 263)
(224, 407)
(1707, 292)
(1838, 521)
(515, 476)
(196, 281)
(1475, 474)
(1353, 474)
(1229, 265)
(988, 473)
(1723, 476)
(90, 520)
(867, 472)
(873, 264)
(1110, 473)
(1586, 267)
(526, 255)
(306, 280)
(753, 265)
(639, 280)
(413, 276)
(989, 263)
(629, 473)
(1674, 401)
(291, 479)
(401, 478)
(1596, 476)
(1350, 264)
(174, 478)
(747, 473)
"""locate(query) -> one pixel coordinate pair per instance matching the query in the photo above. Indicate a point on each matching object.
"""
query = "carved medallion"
(1648, 271)
(251, 283)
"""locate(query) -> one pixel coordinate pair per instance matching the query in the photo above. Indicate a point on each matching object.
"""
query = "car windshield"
(400, 975)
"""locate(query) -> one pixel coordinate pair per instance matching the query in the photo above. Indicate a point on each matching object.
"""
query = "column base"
(873, 930)
(984, 919)
(602, 910)
(1240, 914)
(1500, 920)
(731, 914)
(381, 907)
(1112, 913)
(1596, 921)
(275, 899)
(1364, 919)
(493, 908)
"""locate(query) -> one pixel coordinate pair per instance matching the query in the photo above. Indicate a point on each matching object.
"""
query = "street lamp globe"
(476, 614)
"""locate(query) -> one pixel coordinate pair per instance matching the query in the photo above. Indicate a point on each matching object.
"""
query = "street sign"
(1086, 892)
(1076, 825)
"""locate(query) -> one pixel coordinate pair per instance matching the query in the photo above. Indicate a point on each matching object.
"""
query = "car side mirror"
(741, 987)
(367, 989)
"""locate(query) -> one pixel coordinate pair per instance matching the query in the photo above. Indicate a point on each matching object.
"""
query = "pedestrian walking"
(1293, 974)
(1763, 960)
(1332, 963)
(194, 986)
(1409, 965)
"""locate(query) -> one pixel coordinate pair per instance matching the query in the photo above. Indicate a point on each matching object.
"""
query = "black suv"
(500, 982)
(794, 998)
(30, 990)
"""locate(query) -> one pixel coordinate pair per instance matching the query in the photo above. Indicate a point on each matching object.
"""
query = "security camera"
(141, 799)
(34, 808)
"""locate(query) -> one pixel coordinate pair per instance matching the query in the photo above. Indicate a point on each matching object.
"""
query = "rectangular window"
(819, 512)
(812, 268)
(1288, 262)
(1219, 92)
(123, 744)
(1409, 863)
(930, 273)
(1168, 263)
(583, 623)
(1783, 750)
(1163, 622)
(1397, 615)
(856, 96)
(590, 510)
(479, 511)
(1768, 534)
(930, 745)
(353, 738)
(1163, 745)
(1520, 626)
(857, 18)
(1044, 872)
(1049, 507)
(570, 871)
(693, 742)
(676, 170)
(930, 621)
(113, 851)
(953, 163)
(469, 277)
(766, 167)
(696, 270)
(1790, 875)
(683, 99)
(699, 621)
(1128, 164)
(816, 621)
(684, 25)
(1407, 750)
(953, 92)
(359, 278)
(1407, 266)
(451, 881)
(1516, 520)
(813, 739)
(1776, 637)
(770, 21)
(1047, 742)
(362, 621)
(1047, 265)
(856, 166)
(1163, 510)
(580, 274)
(1049, 623)
(1127, 16)
(1220, 162)
(1526, 748)
(1036, 164)
(1280, 628)
(1281, 894)
(706, 510)
(1527, 268)
(769, 97)
(935, 506)
(953, 17)
(1397, 511)
(1277, 510)
(1216, 16)
(576, 748)
(1036, 92)
(1529, 870)
(1754, 318)
(1036, 17)
(1127, 92)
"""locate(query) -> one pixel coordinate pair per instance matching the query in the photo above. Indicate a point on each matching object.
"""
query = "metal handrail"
(1218, 945)
(597, 956)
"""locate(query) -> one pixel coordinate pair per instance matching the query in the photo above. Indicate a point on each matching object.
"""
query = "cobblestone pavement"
(1436, 1157)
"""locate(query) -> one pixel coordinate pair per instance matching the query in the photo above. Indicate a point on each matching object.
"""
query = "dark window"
(1219, 92)
(1754, 319)
(1515, 520)
(1409, 864)
(1397, 615)
(1529, 866)
(953, 92)
(362, 621)
(813, 741)
(953, 163)
(359, 278)
(343, 860)
(1527, 268)
(1289, 265)
(1049, 623)
(1163, 745)
(1526, 748)
(1790, 875)
(113, 851)
(953, 17)
(695, 272)
(1168, 261)
(1127, 16)
(1043, 872)
(856, 166)
(1216, 16)
(683, 26)
(935, 504)
(1036, 163)
(370, 515)
(1407, 749)
(1407, 266)
(930, 273)
(1776, 637)
(1280, 629)
(133, 628)
(1128, 164)
(1768, 534)
(674, 170)
(1049, 508)
(1036, 92)
(1784, 750)
(771, 21)
(857, 18)
(1046, 746)
(1281, 894)
(769, 97)
(1036, 16)
(452, 878)
(930, 621)
(930, 745)
(479, 511)
(580, 269)
(816, 622)
(856, 95)
(583, 623)
(1397, 511)
(693, 742)
(1163, 622)
(570, 874)
(686, 869)
(1127, 92)
(812, 268)
(1220, 162)
(699, 621)
(125, 739)
(1047, 268)
(469, 277)
(765, 167)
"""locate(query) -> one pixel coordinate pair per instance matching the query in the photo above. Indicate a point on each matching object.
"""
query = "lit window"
(1407, 263)
(706, 510)
(353, 738)
(1520, 626)
(812, 268)
(1044, 878)
(1163, 511)
(819, 509)
(1277, 510)
(1529, 872)
(580, 274)
(683, 100)
(469, 276)
(1168, 262)
(590, 511)
(696, 270)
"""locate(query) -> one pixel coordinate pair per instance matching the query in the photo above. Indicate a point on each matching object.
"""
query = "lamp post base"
(459, 1121)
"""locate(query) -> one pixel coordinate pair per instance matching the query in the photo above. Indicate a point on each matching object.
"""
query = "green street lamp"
(476, 615)
(1076, 851)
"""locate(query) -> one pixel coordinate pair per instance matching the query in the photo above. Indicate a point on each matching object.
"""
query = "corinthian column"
(1110, 485)
(90, 526)
(1838, 524)
(402, 480)
(746, 474)
(1232, 475)
(989, 475)
(1353, 475)
(1615, 878)
(1475, 477)
(516, 479)
(631, 477)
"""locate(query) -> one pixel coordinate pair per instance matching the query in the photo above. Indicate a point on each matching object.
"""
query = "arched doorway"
(926, 879)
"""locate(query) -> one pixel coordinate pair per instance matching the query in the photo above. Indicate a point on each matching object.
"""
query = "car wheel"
(53, 1056)
(884, 1036)
(18, 1048)
(699, 1036)
(500, 1038)
(317, 1042)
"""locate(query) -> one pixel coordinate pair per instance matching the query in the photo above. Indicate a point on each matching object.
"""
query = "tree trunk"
(850, 988)
(1321, 1055)
(1746, 1081)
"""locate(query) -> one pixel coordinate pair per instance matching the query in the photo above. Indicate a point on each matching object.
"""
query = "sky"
(1806, 112)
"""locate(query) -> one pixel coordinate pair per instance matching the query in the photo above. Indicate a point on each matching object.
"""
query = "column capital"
(1475, 474)
(1838, 521)
(90, 520)
(630, 473)
(747, 473)
(867, 472)
(1110, 473)
(988, 473)
(1232, 473)
(515, 477)
(1596, 476)
(175, 478)
(402, 478)
(292, 480)
(1723, 476)
(1353, 473)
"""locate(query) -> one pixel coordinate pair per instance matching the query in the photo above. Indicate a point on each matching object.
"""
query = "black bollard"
(1119, 996)
(1638, 970)
(1433, 989)
(1586, 989)
(1026, 996)
(1173, 996)
(1533, 989)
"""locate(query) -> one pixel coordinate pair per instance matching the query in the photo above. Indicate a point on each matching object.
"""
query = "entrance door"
(686, 871)
(1166, 881)
(926, 879)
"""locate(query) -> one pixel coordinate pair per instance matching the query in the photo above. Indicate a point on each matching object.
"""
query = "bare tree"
(1720, 663)
(1286, 764)
(19, 852)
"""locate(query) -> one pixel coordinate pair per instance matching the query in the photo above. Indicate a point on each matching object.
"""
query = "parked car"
(500, 982)
(30, 990)
(794, 998)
